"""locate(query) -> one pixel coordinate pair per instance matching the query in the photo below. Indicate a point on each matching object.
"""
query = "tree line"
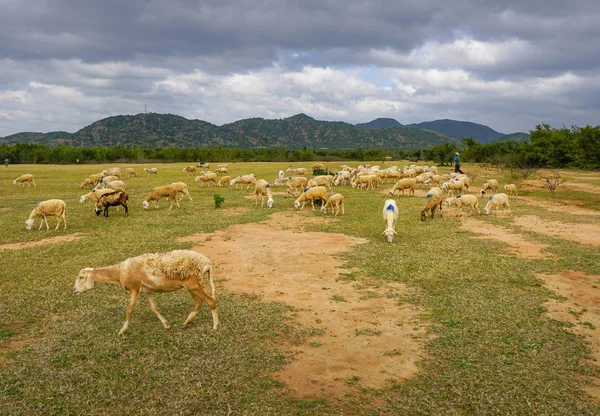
(576, 147)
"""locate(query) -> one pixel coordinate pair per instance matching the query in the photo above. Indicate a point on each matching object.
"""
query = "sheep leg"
(46, 221)
(126, 211)
(188, 195)
(57, 222)
(132, 300)
(175, 198)
(171, 201)
(156, 312)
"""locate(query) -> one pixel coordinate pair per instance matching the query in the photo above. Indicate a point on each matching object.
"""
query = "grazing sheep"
(165, 191)
(297, 171)
(464, 200)
(190, 169)
(116, 185)
(368, 180)
(390, 215)
(402, 184)
(151, 171)
(435, 180)
(95, 194)
(496, 201)
(511, 189)
(92, 180)
(244, 179)
(453, 185)
(263, 188)
(155, 273)
(112, 172)
(112, 200)
(225, 181)
(51, 207)
(335, 202)
(223, 165)
(311, 194)
(221, 170)
(296, 182)
(130, 173)
(490, 185)
(209, 177)
(343, 178)
(106, 179)
(323, 180)
(203, 165)
(181, 187)
(433, 199)
(28, 177)
(317, 166)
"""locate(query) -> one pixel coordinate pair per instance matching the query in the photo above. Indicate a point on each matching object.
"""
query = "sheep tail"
(208, 269)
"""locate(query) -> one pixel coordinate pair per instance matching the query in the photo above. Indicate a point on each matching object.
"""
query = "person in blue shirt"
(457, 163)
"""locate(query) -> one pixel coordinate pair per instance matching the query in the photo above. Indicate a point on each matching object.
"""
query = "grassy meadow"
(491, 348)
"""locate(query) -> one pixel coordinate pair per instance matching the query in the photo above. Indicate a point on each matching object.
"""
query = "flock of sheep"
(153, 273)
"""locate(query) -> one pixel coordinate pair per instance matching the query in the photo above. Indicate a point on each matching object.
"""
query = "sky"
(510, 65)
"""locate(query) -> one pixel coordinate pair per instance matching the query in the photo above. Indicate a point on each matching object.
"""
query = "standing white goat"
(390, 215)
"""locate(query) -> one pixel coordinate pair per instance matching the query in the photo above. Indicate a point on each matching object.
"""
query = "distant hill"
(296, 132)
(460, 129)
(519, 137)
(379, 123)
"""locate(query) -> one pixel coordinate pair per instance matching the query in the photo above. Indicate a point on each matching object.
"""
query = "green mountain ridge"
(154, 130)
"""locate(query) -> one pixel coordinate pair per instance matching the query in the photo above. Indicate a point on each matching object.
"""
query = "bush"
(218, 200)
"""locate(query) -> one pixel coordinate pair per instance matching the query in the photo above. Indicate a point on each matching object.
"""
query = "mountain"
(460, 129)
(296, 132)
(379, 123)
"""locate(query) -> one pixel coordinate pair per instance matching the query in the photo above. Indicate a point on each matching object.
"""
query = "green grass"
(491, 349)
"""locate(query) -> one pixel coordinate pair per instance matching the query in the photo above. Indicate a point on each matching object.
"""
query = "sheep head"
(145, 204)
(15, 182)
(29, 224)
(297, 204)
(423, 215)
(389, 233)
(270, 202)
(84, 281)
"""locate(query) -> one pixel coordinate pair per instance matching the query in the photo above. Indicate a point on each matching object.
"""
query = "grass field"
(490, 349)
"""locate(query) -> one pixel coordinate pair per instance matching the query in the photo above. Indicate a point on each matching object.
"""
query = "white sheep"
(106, 179)
(92, 180)
(335, 202)
(244, 180)
(294, 182)
(464, 200)
(490, 185)
(390, 215)
(165, 191)
(368, 180)
(221, 170)
(51, 207)
(182, 188)
(433, 199)
(224, 181)
(511, 189)
(297, 171)
(155, 273)
(130, 173)
(151, 171)
(453, 185)
(190, 169)
(208, 177)
(343, 177)
(112, 172)
(311, 194)
(28, 177)
(322, 180)
(402, 184)
(263, 188)
(496, 201)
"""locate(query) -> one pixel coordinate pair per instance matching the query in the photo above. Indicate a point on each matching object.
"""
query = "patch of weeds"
(589, 325)
(338, 298)
(313, 332)
(316, 344)
(367, 331)
(392, 352)
(352, 380)
(346, 277)
(371, 294)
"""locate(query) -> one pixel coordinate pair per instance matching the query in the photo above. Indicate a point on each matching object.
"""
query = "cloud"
(510, 65)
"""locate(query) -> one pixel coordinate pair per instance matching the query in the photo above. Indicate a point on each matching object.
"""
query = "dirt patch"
(362, 338)
(580, 233)
(581, 308)
(517, 244)
(11, 346)
(536, 185)
(568, 207)
(50, 240)
(234, 212)
(6, 209)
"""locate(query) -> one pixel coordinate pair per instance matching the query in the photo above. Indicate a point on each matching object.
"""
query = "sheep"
(294, 182)
(112, 172)
(311, 194)
(453, 185)
(244, 179)
(496, 201)
(95, 194)
(325, 180)
(28, 177)
(155, 273)
(165, 191)
(92, 180)
(435, 180)
(390, 215)
(224, 181)
(464, 200)
(490, 185)
(190, 169)
(263, 188)
(409, 173)
(432, 201)
(105, 179)
(368, 180)
(223, 165)
(181, 187)
(221, 170)
(203, 165)
(335, 202)
(344, 178)
(116, 185)
(297, 171)
(112, 200)
(130, 173)
(511, 189)
(317, 166)
(151, 171)
(402, 184)
(56, 207)
(209, 177)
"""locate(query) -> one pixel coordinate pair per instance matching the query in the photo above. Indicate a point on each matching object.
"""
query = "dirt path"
(50, 240)
(569, 208)
(517, 244)
(580, 233)
(367, 339)
(581, 308)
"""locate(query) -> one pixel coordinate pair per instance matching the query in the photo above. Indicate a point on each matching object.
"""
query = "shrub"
(218, 200)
